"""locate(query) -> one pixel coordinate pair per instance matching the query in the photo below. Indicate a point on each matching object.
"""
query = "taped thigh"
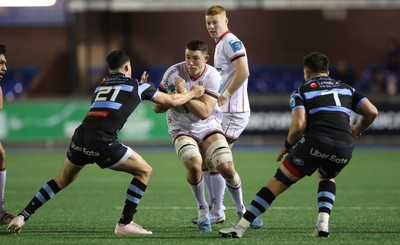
(186, 148)
(219, 152)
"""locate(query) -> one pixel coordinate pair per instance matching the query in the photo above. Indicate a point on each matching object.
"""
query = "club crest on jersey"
(292, 102)
(236, 45)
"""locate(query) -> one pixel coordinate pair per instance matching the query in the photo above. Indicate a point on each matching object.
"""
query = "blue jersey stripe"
(142, 88)
(359, 103)
(331, 108)
(313, 94)
(106, 104)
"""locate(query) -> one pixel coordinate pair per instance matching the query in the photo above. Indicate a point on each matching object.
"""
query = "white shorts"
(199, 133)
(233, 124)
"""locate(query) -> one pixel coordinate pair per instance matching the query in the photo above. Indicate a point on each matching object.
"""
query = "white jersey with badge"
(181, 119)
(228, 49)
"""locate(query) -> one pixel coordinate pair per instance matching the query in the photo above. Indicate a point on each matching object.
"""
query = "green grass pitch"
(366, 211)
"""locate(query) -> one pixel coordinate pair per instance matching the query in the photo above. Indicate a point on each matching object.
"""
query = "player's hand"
(221, 100)
(144, 77)
(283, 152)
(199, 90)
(356, 133)
(180, 85)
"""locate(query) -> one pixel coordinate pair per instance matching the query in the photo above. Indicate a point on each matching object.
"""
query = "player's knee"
(280, 175)
(235, 181)
(219, 153)
(325, 175)
(186, 149)
(147, 171)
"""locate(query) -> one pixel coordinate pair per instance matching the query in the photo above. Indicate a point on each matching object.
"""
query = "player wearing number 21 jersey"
(95, 141)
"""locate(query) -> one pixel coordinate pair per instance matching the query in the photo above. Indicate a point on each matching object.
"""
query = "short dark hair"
(3, 49)
(116, 59)
(316, 62)
(195, 45)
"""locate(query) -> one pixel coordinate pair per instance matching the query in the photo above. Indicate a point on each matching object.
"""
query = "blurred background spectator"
(343, 70)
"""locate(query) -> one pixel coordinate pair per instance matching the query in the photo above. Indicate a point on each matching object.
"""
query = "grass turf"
(366, 211)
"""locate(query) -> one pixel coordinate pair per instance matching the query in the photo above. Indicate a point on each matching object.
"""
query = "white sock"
(323, 218)
(206, 177)
(218, 189)
(237, 195)
(2, 186)
(198, 193)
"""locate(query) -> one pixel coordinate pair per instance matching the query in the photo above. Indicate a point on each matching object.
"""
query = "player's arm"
(241, 74)
(296, 130)
(369, 113)
(157, 108)
(172, 100)
(202, 107)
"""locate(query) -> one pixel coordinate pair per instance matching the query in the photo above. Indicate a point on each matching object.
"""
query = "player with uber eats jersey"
(320, 139)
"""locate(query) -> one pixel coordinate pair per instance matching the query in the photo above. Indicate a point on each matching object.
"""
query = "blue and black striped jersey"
(113, 101)
(328, 104)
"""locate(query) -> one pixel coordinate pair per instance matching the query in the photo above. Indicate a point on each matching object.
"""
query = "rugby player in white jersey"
(195, 129)
(230, 59)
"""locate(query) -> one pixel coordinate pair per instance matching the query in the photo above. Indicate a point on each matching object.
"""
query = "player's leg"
(282, 180)
(134, 164)
(233, 125)
(326, 197)
(189, 154)
(219, 155)
(341, 153)
(68, 174)
(5, 217)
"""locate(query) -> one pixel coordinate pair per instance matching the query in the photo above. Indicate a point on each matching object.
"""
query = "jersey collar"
(193, 79)
(316, 79)
(223, 35)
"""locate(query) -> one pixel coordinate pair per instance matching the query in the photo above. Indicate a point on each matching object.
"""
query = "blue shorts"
(88, 147)
(319, 152)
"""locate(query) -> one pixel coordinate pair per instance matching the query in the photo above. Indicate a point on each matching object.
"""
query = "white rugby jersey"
(181, 117)
(228, 49)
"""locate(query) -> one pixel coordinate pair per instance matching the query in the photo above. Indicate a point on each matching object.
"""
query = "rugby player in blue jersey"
(96, 141)
(320, 139)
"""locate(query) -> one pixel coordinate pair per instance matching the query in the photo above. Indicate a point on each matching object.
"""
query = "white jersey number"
(104, 92)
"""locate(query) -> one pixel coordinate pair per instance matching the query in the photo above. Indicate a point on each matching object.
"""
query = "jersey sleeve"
(213, 87)
(296, 100)
(147, 91)
(357, 99)
(234, 48)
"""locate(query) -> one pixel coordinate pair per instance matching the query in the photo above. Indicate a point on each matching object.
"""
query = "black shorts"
(328, 154)
(89, 147)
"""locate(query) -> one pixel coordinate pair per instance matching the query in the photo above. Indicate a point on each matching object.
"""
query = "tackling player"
(95, 140)
(320, 139)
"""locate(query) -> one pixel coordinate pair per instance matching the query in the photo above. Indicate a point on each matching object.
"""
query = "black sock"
(326, 196)
(259, 205)
(135, 192)
(44, 194)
